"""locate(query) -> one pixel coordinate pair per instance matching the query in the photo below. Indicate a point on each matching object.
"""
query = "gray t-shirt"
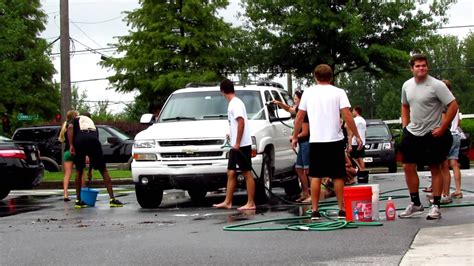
(427, 100)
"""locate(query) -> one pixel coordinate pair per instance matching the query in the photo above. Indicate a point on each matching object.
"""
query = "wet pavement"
(37, 227)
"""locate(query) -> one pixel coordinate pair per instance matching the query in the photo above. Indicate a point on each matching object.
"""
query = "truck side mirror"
(146, 119)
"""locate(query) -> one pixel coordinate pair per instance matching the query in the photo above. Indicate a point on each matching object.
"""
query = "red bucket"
(358, 202)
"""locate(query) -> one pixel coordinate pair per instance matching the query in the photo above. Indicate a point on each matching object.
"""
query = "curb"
(94, 183)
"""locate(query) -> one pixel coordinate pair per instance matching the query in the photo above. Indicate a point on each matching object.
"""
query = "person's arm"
(349, 137)
(298, 124)
(405, 111)
(285, 107)
(240, 132)
(446, 119)
(70, 137)
(346, 114)
(304, 130)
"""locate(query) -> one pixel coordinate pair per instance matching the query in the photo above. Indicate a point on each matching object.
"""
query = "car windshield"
(377, 132)
(117, 132)
(208, 105)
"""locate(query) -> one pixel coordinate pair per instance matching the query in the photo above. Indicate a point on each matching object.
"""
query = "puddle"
(22, 204)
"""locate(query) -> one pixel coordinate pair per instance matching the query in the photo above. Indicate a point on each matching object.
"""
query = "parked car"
(185, 147)
(463, 158)
(116, 145)
(20, 166)
(380, 145)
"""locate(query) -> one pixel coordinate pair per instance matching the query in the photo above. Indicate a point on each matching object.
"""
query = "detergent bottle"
(390, 211)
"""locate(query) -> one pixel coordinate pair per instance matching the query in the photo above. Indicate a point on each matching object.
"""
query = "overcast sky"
(94, 23)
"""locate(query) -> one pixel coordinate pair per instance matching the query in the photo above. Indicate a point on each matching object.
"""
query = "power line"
(83, 32)
(90, 50)
(99, 22)
(456, 27)
(88, 80)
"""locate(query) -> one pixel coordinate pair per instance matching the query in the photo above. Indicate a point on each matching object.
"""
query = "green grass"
(114, 174)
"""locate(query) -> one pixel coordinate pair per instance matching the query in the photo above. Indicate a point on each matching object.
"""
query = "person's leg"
(436, 181)
(361, 163)
(339, 190)
(229, 194)
(304, 183)
(445, 177)
(315, 190)
(413, 182)
(67, 167)
(107, 182)
(457, 176)
(250, 183)
(79, 174)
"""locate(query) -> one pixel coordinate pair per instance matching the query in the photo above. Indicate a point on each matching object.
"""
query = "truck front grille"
(180, 143)
(171, 155)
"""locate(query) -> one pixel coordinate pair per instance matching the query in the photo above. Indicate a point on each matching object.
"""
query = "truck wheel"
(148, 197)
(50, 165)
(392, 168)
(264, 182)
(197, 194)
(4, 191)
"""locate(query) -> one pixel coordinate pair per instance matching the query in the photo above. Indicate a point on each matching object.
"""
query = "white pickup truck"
(184, 147)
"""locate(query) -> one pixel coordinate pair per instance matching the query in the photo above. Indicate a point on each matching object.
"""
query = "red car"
(20, 166)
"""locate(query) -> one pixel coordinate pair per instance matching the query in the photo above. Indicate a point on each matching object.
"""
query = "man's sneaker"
(411, 210)
(115, 203)
(434, 213)
(341, 214)
(315, 215)
(80, 204)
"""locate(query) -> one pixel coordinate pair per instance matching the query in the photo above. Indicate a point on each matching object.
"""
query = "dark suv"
(380, 146)
(116, 145)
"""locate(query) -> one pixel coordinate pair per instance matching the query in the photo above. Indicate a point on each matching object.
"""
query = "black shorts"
(241, 158)
(355, 153)
(87, 144)
(327, 159)
(425, 150)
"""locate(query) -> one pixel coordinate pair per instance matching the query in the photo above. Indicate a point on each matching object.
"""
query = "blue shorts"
(302, 159)
(454, 151)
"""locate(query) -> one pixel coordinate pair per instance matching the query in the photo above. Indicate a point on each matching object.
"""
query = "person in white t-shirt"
(240, 154)
(324, 104)
(361, 125)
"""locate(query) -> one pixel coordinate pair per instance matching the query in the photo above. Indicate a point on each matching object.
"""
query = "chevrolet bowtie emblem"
(189, 151)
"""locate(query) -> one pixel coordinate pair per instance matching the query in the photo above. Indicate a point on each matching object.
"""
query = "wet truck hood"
(186, 130)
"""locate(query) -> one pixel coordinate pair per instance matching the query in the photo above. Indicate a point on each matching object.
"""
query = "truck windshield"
(208, 105)
(377, 132)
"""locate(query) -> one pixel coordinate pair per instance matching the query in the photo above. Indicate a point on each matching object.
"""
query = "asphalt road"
(37, 227)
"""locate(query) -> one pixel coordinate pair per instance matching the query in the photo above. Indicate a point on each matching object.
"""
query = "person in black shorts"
(84, 141)
(358, 154)
(426, 136)
(240, 156)
(324, 104)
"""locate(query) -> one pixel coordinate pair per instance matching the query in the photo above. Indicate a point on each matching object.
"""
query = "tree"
(375, 36)
(79, 101)
(172, 43)
(26, 82)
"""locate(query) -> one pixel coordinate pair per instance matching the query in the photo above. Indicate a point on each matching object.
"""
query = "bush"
(467, 126)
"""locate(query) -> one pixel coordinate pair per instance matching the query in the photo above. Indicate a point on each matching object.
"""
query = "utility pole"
(65, 60)
(289, 83)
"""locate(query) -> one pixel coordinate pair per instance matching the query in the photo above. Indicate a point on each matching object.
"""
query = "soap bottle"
(390, 211)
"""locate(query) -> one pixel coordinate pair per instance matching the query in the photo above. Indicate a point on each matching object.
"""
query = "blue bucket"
(89, 196)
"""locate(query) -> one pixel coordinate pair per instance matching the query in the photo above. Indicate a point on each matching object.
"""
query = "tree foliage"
(26, 82)
(171, 44)
(374, 36)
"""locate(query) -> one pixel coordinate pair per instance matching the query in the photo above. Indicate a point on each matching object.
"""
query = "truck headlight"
(147, 143)
(144, 157)
(254, 146)
(386, 145)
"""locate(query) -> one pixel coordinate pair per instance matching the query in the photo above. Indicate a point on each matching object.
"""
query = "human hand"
(437, 132)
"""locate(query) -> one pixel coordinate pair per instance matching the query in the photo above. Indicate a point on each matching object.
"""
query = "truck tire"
(50, 165)
(4, 191)
(148, 197)
(197, 194)
(263, 186)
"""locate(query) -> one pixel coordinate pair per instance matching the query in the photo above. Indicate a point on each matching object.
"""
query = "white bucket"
(375, 201)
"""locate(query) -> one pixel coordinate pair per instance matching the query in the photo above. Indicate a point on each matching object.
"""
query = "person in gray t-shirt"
(426, 139)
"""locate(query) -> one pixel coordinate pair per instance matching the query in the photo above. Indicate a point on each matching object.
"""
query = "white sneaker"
(434, 213)
(411, 210)
(444, 200)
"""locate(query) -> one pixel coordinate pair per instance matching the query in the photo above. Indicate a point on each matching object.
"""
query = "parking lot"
(37, 227)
